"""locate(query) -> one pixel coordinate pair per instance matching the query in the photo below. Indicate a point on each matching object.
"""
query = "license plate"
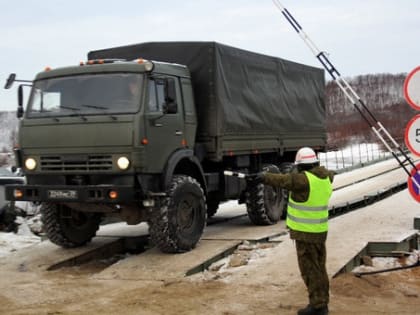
(62, 194)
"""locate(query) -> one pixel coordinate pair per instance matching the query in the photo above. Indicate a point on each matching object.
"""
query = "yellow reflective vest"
(312, 215)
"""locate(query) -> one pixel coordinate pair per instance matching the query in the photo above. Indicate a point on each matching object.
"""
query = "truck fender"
(183, 162)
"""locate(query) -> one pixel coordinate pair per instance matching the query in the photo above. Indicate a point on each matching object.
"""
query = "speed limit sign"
(412, 135)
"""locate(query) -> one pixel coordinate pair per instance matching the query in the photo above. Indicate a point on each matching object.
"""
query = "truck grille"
(76, 163)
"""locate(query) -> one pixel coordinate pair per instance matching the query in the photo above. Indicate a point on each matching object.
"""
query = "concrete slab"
(348, 178)
(369, 187)
(242, 229)
(40, 257)
(217, 239)
(151, 264)
(389, 220)
(155, 265)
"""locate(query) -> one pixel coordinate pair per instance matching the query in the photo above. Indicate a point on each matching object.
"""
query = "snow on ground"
(11, 242)
(382, 263)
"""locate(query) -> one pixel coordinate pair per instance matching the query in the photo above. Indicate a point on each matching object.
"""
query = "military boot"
(310, 310)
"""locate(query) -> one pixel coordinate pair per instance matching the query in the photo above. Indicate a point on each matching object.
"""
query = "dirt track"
(74, 291)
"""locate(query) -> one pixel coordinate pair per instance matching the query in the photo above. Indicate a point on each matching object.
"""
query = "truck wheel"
(67, 227)
(265, 203)
(178, 225)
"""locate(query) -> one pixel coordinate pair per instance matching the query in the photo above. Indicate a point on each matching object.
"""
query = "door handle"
(178, 133)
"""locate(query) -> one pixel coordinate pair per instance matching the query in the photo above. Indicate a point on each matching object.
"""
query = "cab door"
(164, 121)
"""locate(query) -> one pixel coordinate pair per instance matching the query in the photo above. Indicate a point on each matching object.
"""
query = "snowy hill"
(378, 91)
(383, 96)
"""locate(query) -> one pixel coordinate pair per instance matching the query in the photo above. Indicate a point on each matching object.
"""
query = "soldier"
(307, 218)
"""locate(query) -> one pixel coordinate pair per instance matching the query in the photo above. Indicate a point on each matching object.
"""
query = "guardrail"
(354, 156)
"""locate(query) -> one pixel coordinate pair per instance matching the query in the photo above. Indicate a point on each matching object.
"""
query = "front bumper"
(58, 193)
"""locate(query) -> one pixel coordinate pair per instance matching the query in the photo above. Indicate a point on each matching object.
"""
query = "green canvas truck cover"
(238, 92)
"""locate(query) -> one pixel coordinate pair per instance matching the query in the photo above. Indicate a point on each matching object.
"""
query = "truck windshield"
(106, 93)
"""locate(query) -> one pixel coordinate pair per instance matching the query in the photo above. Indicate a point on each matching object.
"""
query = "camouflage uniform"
(310, 247)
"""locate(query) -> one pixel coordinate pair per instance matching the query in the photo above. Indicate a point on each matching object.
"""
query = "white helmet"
(306, 155)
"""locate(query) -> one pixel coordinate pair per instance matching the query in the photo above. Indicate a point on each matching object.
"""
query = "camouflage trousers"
(311, 259)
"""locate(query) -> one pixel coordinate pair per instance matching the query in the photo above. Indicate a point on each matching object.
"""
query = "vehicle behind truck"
(145, 133)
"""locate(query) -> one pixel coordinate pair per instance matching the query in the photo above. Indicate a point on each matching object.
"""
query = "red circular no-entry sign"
(412, 88)
(413, 183)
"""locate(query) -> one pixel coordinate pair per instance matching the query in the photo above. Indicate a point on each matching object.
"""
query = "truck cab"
(102, 138)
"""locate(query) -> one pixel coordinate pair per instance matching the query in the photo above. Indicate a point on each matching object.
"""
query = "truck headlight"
(123, 163)
(30, 164)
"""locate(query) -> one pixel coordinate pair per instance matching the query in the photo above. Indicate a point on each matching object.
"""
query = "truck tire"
(67, 227)
(265, 203)
(178, 225)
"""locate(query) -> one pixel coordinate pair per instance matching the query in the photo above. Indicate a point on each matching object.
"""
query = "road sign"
(412, 135)
(413, 183)
(412, 130)
(412, 88)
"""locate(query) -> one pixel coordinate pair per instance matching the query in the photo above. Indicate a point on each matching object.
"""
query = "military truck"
(145, 132)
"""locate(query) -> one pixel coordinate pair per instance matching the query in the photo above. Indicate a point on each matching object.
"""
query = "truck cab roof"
(117, 65)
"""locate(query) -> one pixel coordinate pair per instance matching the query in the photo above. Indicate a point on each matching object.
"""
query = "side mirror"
(10, 80)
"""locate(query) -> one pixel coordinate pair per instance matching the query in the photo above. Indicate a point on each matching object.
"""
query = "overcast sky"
(361, 36)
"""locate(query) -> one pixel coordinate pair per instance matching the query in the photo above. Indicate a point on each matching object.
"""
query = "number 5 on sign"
(412, 135)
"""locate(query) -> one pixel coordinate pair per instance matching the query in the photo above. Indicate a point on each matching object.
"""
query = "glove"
(256, 178)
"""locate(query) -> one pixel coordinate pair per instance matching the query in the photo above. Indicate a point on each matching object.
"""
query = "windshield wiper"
(75, 111)
(94, 106)
(104, 109)
(71, 108)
